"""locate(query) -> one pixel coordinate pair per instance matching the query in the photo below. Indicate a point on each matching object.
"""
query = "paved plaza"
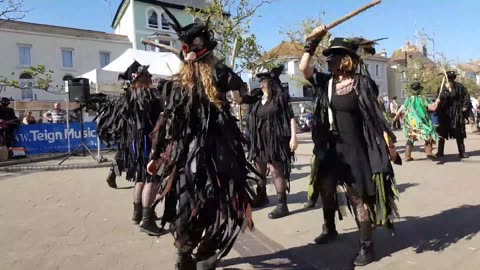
(70, 219)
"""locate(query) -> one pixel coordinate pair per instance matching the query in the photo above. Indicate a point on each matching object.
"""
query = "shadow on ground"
(434, 233)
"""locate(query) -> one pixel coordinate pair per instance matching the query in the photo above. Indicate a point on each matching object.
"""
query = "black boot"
(366, 253)
(111, 179)
(311, 202)
(261, 199)
(329, 231)
(282, 209)
(148, 224)
(137, 213)
(185, 261)
(461, 149)
(441, 146)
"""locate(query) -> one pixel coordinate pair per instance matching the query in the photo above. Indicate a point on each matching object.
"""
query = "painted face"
(334, 61)
(193, 51)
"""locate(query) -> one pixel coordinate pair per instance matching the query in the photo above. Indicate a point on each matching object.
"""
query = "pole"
(99, 157)
(68, 126)
(347, 17)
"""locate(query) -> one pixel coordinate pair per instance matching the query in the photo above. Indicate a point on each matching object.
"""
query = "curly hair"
(144, 81)
(348, 64)
(205, 69)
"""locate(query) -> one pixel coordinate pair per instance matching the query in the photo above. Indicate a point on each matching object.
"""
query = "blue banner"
(53, 138)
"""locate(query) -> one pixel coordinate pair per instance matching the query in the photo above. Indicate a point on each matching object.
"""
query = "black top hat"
(5, 100)
(416, 86)
(188, 33)
(451, 74)
(273, 73)
(134, 71)
(341, 45)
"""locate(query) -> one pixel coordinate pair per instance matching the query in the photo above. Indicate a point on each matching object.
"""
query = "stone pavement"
(72, 220)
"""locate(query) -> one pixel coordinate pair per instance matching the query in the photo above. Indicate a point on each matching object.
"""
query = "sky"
(450, 23)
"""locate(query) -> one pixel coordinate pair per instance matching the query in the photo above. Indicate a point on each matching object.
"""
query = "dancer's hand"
(320, 32)
(293, 144)
(153, 166)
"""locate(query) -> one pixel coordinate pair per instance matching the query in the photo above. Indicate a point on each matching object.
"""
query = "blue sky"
(452, 23)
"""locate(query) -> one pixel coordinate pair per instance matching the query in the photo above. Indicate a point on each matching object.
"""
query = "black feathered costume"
(201, 159)
(451, 115)
(126, 121)
(269, 124)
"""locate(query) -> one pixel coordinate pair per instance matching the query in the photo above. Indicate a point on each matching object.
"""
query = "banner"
(53, 138)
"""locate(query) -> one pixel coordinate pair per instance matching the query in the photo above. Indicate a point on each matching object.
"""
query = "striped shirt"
(58, 116)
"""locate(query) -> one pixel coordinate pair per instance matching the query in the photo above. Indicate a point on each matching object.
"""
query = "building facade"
(146, 20)
(68, 52)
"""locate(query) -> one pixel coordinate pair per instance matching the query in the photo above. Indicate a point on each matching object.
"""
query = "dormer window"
(152, 19)
(165, 22)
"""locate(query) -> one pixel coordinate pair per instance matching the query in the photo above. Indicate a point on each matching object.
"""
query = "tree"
(231, 19)
(298, 36)
(11, 10)
(41, 77)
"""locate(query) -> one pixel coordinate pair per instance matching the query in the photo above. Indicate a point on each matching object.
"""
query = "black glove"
(311, 46)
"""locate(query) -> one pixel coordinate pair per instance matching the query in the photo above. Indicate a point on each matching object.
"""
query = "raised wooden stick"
(441, 87)
(316, 31)
(154, 44)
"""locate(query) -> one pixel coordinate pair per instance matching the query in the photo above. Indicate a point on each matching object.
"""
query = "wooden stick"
(347, 17)
(234, 53)
(441, 88)
(154, 44)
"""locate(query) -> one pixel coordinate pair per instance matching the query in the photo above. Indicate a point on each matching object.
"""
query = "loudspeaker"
(79, 90)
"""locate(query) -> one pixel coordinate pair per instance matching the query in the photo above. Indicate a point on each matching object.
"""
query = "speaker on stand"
(79, 91)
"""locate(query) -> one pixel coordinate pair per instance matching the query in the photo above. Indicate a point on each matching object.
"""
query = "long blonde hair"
(188, 76)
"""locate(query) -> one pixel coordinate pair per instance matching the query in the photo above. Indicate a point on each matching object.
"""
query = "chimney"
(383, 53)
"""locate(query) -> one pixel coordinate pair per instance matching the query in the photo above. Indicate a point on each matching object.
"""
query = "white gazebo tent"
(162, 65)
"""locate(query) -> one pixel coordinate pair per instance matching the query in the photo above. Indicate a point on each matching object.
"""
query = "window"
(24, 53)
(403, 93)
(104, 59)
(152, 19)
(165, 22)
(377, 71)
(159, 41)
(67, 58)
(67, 77)
(26, 81)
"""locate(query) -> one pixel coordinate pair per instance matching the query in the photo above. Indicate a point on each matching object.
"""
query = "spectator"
(28, 119)
(474, 102)
(56, 115)
(8, 121)
(393, 112)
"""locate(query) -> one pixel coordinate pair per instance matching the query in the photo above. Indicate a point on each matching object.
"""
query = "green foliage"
(41, 77)
(231, 27)
(298, 34)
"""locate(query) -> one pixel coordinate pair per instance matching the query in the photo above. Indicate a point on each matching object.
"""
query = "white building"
(290, 54)
(68, 52)
(377, 66)
(145, 19)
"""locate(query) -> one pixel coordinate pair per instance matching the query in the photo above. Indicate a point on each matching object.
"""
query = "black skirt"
(353, 166)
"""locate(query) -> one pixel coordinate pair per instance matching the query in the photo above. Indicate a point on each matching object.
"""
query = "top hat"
(451, 74)
(416, 86)
(342, 46)
(133, 72)
(274, 73)
(5, 100)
